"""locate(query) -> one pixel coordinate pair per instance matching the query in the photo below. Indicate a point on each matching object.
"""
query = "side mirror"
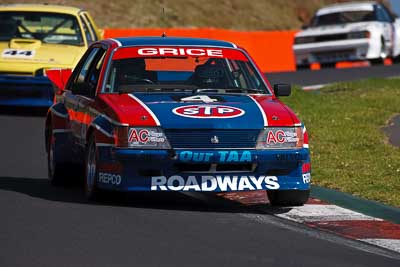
(59, 77)
(282, 89)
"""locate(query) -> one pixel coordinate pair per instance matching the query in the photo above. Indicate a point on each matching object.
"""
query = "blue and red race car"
(175, 114)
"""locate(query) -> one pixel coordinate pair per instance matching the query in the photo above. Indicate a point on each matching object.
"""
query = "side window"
(387, 14)
(382, 15)
(90, 26)
(86, 30)
(92, 77)
(85, 80)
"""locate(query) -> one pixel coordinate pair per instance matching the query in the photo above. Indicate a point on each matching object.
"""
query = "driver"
(133, 71)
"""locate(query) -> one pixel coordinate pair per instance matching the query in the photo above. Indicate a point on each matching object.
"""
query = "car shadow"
(73, 193)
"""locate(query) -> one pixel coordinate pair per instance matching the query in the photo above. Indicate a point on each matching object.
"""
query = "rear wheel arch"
(101, 129)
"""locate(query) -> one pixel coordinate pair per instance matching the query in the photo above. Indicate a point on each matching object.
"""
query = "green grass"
(349, 150)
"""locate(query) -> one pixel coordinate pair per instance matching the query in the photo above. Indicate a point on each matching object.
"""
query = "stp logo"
(208, 111)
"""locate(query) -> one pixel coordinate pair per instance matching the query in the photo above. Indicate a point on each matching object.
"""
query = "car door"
(76, 90)
(87, 106)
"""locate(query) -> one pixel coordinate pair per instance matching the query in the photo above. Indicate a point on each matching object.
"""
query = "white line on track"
(392, 244)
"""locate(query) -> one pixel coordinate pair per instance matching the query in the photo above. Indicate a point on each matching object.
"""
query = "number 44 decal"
(199, 98)
(17, 53)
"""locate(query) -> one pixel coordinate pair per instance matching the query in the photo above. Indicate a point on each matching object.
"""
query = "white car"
(348, 32)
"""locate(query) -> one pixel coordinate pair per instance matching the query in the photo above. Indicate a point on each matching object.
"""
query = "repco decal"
(208, 111)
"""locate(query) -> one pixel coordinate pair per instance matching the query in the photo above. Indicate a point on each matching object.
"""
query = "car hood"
(337, 29)
(228, 112)
(28, 55)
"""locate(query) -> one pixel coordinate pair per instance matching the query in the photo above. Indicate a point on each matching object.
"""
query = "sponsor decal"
(169, 51)
(306, 170)
(306, 178)
(208, 111)
(18, 53)
(281, 136)
(219, 156)
(199, 98)
(183, 51)
(207, 183)
(144, 136)
(109, 178)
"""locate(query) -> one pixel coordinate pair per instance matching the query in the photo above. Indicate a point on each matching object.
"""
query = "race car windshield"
(199, 70)
(343, 17)
(49, 28)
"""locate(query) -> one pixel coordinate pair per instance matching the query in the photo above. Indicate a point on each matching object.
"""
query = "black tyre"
(288, 197)
(92, 192)
(377, 61)
(383, 55)
(396, 60)
(57, 171)
(327, 65)
(303, 67)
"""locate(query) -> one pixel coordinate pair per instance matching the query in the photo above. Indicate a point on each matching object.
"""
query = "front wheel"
(327, 65)
(288, 197)
(303, 67)
(57, 171)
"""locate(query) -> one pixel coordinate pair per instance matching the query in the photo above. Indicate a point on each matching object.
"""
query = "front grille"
(185, 167)
(331, 37)
(25, 87)
(195, 138)
(334, 55)
(17, 73)
(28, 92)
(215, 168)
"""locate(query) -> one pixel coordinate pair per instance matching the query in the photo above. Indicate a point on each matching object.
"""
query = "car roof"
(171, 41)
(41, 8)
(350, 6)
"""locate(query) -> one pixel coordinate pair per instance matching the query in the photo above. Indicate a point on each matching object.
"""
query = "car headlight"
(304, 40)
(141, 138)
(280, 138)
(359, 35)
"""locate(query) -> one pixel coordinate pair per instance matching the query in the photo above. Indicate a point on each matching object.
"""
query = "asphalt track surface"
(42, 225)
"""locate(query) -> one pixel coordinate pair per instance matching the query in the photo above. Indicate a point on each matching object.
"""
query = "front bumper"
(202, 170)
(332, 51)
(26, 91)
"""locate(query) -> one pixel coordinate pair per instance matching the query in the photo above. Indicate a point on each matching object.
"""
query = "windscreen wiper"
(129, 88)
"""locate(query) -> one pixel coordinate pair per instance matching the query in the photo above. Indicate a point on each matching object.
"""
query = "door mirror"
(281, 89)
(59, 77)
